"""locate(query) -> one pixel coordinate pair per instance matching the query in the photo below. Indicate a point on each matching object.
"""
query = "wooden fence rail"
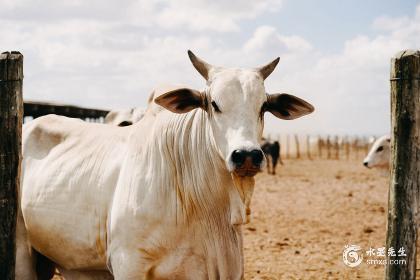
(331, 147)
(404, 188)
(38, 109)
(11, 110)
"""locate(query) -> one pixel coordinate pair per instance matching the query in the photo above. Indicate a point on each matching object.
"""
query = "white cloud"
(388, 23)
(267, 39)
(111, 56)
(216, 15)
(61, 10)
(351, 88)
(195, 15)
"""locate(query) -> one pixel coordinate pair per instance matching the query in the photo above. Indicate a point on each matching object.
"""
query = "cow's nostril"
(238, 157)
(125, 123)
(365, 163)
(257, 157)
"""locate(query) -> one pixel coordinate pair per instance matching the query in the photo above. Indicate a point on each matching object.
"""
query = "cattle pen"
(303, 150)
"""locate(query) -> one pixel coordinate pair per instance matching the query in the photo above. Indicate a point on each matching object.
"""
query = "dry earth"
(304, 216)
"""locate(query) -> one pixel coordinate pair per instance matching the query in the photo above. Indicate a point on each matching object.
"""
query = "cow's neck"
(198, 174)
(181, 172)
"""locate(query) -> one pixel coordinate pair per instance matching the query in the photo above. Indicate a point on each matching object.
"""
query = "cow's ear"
(181, 100)
(287, 107)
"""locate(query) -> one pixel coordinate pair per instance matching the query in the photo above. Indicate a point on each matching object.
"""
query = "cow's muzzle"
(247, 163)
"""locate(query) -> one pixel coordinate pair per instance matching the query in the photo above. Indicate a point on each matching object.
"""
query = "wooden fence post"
(328, 147)
(297, 146)
(336, 148)
(355, 146)
(366, 145)
(11, 115)
(308, 147)
(404, 188)
(347, 148)
(320, 146)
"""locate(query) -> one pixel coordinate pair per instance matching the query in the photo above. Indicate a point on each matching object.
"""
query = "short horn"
(266, 70)
(202, 67)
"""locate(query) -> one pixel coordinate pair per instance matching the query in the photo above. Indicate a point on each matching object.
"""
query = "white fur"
(155, 200)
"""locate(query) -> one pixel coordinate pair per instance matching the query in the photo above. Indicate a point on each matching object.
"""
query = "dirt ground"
(304, 216)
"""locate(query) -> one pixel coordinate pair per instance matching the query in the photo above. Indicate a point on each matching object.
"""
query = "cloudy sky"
(110, 54)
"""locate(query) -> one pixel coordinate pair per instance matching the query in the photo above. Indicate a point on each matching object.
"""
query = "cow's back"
(70, 170)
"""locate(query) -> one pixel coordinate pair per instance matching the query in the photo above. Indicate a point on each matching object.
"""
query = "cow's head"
(235, 101)
(379, 153)
(120, 117)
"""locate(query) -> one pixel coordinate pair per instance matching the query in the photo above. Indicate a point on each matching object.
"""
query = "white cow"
(379, 154)
(124, 117)
(164, 198)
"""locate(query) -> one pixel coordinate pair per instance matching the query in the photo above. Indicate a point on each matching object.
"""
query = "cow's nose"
(365, 163)
(238, 157)
(257, 157)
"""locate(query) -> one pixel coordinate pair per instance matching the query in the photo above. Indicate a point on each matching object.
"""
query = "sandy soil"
(304, 216)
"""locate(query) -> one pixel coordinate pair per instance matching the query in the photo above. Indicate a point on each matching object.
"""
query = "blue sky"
(335, 54)
(332, 22)
(327, 24)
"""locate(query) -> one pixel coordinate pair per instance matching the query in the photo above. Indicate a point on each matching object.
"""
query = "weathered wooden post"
(404, 188)
(336, 148)
(308, 147)
(355, 146)
(11, 115)
(328, 147)
(320, 146)
(297, 146)
(366, 145)
(347, 148)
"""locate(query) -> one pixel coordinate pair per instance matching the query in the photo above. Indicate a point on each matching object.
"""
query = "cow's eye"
(380, 149)
(216, 108)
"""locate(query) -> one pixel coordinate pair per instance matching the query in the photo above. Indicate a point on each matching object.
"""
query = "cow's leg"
(25, 256)
(268, 164)
(85, 275)
(132, 265)
(126, 265)
(45, 268)
(275, 159)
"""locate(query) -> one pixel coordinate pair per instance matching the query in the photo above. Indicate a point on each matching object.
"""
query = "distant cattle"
(272, 153)
(379, 154)
(163, 198)
(124, 117)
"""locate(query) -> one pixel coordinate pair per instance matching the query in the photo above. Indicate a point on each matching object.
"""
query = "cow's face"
(379, 154)
(235, 101)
